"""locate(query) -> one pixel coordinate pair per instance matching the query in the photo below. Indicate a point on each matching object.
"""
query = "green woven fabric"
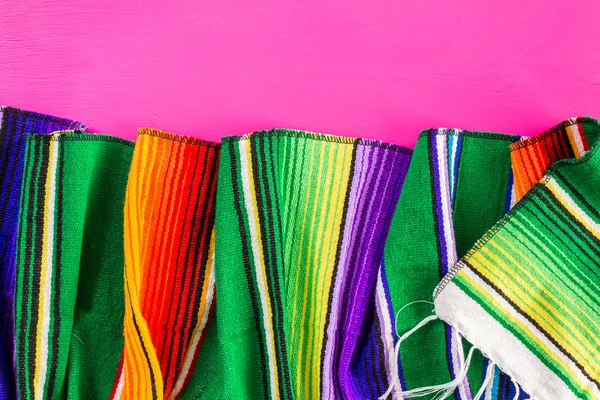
(69, 286)
(474, 169)
(527, 293)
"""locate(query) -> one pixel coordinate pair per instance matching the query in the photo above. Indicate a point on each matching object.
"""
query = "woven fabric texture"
(69, 280)
(15, 124)
(458, 185)
(526, 294)
(169, 262)
(299, 237)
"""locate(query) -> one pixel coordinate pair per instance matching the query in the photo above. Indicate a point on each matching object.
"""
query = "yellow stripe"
(497, 272)
(137, 376)
(571, 136)
(331, 237)
(262, 268)
(523, 328)
(43, 271)
(567, 204)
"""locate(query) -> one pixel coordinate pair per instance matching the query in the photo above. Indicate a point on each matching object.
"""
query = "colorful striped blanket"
(286, 264)
(526, 294)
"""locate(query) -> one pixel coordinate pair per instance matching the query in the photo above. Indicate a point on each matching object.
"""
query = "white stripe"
(456, 347)
(445, 198)
(595, 226)
(47, 265)
(386, 334)
(577, 138)
(258, 262)
(119, 390)
(458, 309)
(191, 352)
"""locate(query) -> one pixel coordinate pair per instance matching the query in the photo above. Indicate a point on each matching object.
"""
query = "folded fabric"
(69, 276)
(527, 293)
(458, 185)
(300, 232)
(14, 126)
(169, 263)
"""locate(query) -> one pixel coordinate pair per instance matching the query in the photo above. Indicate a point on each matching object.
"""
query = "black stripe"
(571, 152)
(268, 241)
(167, 325)
(569, 219)
(338, 253)
(563, 180)
(277, 292)
(531, 320)
(367, 359)
(9, 178)
(380, 346)
(57, 269)
(137, 329)
(22, 357)
(37, 258)
(200, 259)
(531, 236)
(247, 266)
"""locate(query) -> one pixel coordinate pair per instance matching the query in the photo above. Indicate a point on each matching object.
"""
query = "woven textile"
(531, 158)
(299, 238)
(458, 185)
(14, 126)
(527, 293)
(69, 277)
(169, 267)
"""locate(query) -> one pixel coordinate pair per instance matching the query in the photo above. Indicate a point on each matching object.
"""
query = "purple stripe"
(371, 192)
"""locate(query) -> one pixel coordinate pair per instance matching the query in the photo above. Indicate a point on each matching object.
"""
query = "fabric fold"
(69, 275)
(300, 232)
(15, 124)
(526, 293)
(459, 184)
(169, 262)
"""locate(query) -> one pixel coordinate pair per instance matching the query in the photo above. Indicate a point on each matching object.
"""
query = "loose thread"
(489, 375)
(446, 389)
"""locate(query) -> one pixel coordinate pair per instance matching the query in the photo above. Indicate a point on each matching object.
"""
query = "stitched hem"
(552, 131)
(473, 134)
(75, 125)
(176, 138)
(292, 133)
(487, 236)
(84, 137)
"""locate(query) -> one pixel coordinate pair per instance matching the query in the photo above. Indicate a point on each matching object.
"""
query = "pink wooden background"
(380, 69)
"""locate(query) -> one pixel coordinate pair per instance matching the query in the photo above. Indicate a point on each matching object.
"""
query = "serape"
(300, 233)
(14, 126)
(458, 185)
(527, 293)
(69, 275)
(169, 263)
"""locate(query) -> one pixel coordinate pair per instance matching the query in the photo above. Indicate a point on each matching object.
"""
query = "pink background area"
(379, 69)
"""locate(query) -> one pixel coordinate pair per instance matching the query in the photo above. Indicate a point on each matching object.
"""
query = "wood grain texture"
(379, 69)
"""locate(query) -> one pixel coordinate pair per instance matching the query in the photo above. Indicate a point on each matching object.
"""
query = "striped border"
(444, 185)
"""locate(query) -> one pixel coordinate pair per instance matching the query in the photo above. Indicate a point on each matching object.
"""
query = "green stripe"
(501, 318)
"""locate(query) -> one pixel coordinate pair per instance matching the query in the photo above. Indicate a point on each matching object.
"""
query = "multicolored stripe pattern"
(14, 126)
(169, 262)
(458, 185)
(536, 247)
(68, 232)
(531, 284)
(531, 158)
(300, 233)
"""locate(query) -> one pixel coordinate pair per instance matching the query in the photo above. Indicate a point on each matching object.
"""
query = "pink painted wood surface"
(379, 69)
